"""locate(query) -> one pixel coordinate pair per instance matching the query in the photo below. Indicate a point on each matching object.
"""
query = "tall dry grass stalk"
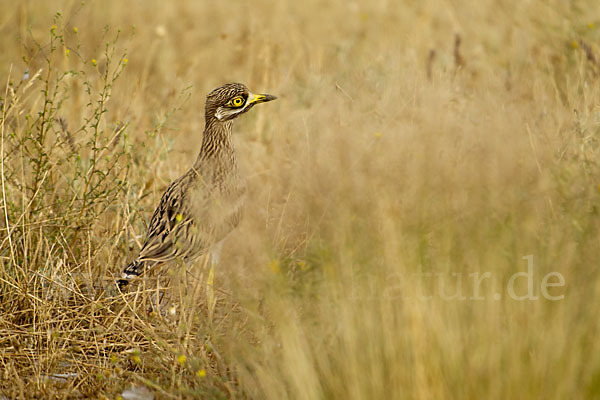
(418, 158)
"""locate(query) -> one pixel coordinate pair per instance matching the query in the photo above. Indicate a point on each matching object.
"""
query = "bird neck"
(217, 155)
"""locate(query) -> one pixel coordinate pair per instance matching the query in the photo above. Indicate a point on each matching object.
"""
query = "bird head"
(232, 100)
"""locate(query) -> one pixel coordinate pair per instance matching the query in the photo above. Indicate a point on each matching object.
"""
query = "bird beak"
(261, 98)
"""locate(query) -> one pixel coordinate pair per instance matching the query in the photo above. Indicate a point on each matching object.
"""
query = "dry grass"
(411, 147)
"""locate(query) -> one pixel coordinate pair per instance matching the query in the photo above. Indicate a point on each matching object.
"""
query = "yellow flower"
(136, 360)
(67, 52)
(303, 266)
(52, 28)
(125, 61)
(94, 62)
(591, 25)
(274, 265)
(574, 44)
(378, 134)
(178, 218)
(201, 373)
(75, 30)
(181, 360)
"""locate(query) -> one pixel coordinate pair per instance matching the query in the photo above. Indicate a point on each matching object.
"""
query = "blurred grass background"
(413, 145)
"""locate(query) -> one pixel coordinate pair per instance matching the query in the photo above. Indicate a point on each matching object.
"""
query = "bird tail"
(132, 271)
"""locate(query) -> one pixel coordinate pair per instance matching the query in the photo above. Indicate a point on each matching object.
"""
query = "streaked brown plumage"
(200, 208)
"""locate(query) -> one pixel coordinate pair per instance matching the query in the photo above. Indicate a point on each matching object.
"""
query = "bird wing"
(171, 233)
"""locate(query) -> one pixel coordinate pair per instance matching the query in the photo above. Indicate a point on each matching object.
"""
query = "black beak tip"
(269, 97)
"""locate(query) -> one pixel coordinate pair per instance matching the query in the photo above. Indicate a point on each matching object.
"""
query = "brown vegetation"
(412, 146)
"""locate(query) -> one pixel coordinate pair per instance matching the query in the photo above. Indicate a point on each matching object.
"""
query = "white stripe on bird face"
(226, 112)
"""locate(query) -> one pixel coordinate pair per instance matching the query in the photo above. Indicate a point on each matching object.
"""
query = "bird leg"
(211, 299)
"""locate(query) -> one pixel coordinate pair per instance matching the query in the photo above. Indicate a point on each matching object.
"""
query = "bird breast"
(217, 208)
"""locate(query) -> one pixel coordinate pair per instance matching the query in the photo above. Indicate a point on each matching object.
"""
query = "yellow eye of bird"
(237, 102)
